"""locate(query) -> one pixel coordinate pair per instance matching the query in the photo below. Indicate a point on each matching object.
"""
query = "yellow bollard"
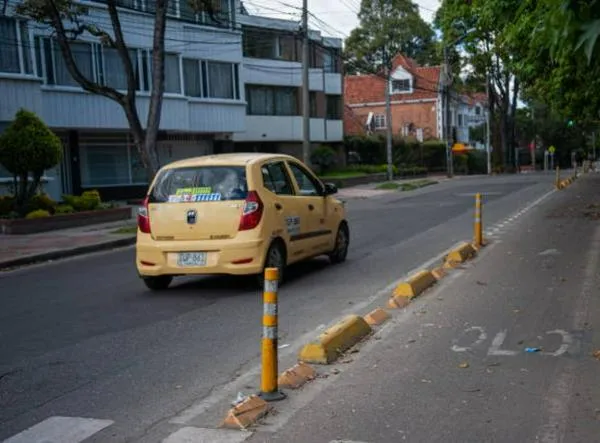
(268, 381)
(558, 177)
(478, 221)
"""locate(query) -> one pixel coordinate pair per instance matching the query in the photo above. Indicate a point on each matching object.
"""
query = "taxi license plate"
(186, 259)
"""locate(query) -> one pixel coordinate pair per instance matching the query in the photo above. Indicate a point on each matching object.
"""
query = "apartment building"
(208, 79)
(272, 76)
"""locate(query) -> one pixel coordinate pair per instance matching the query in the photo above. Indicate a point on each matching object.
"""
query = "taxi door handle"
(278, 206)
(311, 207)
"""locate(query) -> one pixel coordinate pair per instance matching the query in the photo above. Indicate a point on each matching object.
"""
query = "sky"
(335, 18)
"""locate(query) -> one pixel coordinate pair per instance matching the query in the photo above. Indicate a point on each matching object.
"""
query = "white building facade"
(205, 101)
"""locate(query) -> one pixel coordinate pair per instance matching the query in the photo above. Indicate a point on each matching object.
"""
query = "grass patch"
(342, 175)
(389, 186)
(408, 186)
(125, 230)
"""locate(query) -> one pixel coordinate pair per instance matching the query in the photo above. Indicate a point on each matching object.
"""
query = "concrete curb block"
(461, 254)
(415, 284)
(398, 302)
(296, 376)
(376, 317)
(335, 340)
(65, 253)
(246, 413)
(439, 273)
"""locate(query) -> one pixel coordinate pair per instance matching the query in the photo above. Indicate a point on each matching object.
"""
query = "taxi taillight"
(143, 218)
(252, 212)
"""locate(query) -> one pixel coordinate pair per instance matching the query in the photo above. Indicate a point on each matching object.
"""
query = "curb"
(335, 340)
(460, 255)
(296, 376)
(415, 284)
(246, 413)
(65, 253)
(376, 317)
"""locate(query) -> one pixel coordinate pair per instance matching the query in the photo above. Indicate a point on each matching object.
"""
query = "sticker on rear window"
(194, 191)
(187, 198)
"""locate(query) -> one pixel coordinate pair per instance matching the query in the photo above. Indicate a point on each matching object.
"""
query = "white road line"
(60, 430)
(346, 441)
(205, 435)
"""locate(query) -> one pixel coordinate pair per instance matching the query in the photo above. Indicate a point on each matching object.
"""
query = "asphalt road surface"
(455, 366)
(82, 338)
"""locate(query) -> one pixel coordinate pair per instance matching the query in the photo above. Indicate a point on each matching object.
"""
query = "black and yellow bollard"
(478, 225)
(269, 391)
(557, 184)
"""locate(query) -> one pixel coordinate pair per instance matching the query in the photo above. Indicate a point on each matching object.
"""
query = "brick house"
(415, 98)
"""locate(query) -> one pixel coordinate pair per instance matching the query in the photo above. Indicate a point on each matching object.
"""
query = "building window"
(477, 110)
(210, 79)
(261, 44)
(331, 60)
(379, 121)
(334, 107)
(111, 164)
(460, 120)
(399, 86)
(313, 106)
(57, 72)
(172, 76)
(15, 47)
(222, 12)
(271, 100)
(112, 72)
(220, 80)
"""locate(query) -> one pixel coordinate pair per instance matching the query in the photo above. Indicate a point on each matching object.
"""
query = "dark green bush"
(324, 157)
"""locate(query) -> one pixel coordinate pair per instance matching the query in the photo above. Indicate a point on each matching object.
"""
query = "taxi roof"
(234, 159)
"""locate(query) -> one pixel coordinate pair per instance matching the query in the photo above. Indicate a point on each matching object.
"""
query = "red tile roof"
(360, 89)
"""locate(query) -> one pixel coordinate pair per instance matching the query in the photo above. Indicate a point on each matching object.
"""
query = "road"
(83, 338)
(454, 367)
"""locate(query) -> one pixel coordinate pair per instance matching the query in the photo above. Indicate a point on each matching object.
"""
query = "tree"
(392, 27)
(27, 149)
(479, 28)
(68, 21)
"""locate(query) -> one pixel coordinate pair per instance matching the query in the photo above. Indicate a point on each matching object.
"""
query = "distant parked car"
(236, 214)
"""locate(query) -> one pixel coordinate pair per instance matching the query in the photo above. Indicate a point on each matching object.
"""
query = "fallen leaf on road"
(480, 283)
(471, 390)
(463, 365)
(596, 355)
(347, 360)
(516, 311)
(424, 380)
(493, 364)
(411, 341)
(335, 371)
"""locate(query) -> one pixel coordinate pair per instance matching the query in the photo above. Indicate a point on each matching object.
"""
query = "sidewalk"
(370, 190)
(455, 365)
(19, 250)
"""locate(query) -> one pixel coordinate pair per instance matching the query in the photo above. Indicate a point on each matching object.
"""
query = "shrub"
(28, 148)
(41, 201)
(88, 201)
(39, 213)
(324, 157)
(64, 209)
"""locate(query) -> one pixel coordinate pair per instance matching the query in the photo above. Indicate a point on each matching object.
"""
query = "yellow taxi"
(236, 214)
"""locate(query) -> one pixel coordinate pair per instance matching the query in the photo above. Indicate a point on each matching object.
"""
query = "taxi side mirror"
(330, 189)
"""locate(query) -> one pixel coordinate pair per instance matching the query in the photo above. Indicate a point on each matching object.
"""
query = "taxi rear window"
(200, 184)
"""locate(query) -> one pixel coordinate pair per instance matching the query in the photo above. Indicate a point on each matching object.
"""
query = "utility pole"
(305, 86)
(488, 146)
(594, 145)
(534, 150)
(388, 115)
(446, 117)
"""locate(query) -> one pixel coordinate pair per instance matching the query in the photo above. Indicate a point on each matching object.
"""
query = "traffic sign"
(552, 149)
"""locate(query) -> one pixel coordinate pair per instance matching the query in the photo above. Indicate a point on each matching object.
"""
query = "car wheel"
(159, 283)
(275, 259)
(342, 241)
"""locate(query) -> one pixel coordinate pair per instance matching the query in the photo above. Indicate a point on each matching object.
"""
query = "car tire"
(159, 283)
(275, 258)
(342, 241)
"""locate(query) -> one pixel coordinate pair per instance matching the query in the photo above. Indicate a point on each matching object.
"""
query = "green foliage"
(394, 26)
(324, 157)
(64, 209)
(28, 148)
(38, 213)
(88, 201)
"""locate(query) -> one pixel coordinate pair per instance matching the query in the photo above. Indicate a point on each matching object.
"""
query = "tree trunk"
(513, 119)
(158, 87)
